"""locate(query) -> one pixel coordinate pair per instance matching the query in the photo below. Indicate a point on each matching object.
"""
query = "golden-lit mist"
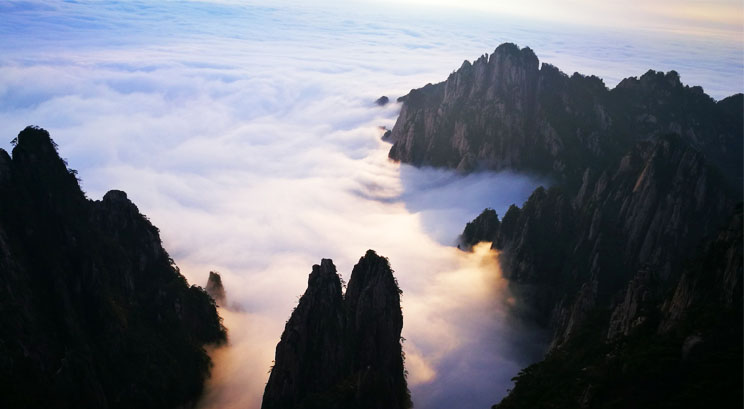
(240, 369)
(439, 315)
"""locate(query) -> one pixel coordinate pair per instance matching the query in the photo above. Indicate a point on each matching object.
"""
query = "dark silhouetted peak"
(511, 52)
(670, 78)
(342, 352)
(656, 82)
(507, 48)
(101, 316)
(511, 113)
(374, 324)
(116, 196)
(119, 218)
(39, 167)
(36, 140)
(215, 289)
(733, 105)
(310, 360)
(371, 270)
(511, 49)
(322, 274)
(5, 163)
(482, 228)
(117, 208)
(551, 70)
(382, 101)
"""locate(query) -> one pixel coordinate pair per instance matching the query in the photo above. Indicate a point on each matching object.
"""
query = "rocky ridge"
(666, 342)
(506, 111)
(645, 175)
(94, 311)
(342, 351)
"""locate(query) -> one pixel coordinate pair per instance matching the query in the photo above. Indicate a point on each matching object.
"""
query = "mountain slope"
(94, 312)
(615, 258)
(663, 345)
(506, 111)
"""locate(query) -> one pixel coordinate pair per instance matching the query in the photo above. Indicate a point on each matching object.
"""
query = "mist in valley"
(249, 135)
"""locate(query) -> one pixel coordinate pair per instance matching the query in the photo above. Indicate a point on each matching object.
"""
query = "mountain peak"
(512, 50)
(34, 138)
(113, 196)
(515, 114)
(342, 353)
(215, 289)
(323, 272)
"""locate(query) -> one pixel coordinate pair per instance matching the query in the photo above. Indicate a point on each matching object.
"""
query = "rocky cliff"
(662, 343)
(566, 250)
(342, 351)
(94, 312)
(508, 111)
(644, 176)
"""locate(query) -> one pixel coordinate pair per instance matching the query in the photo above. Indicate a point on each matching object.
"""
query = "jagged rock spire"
(215, 289)
(342, 352)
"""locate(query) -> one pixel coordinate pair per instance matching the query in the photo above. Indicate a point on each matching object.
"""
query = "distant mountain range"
(633, 258)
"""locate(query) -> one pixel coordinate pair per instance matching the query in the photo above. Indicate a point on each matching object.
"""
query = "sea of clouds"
(248, 134)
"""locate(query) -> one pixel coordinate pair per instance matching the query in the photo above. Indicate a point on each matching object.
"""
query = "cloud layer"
(249, 136)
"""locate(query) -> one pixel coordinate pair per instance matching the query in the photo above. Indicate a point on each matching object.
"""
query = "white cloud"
(249, 136)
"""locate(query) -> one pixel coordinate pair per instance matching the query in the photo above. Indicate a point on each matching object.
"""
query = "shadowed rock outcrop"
(94, 313)
(629, 227)
(215, 289)
(382, 101)
(671, 342)
(342, 351)
(482, 228)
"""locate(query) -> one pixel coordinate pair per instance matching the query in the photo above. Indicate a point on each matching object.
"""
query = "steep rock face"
(342, 352)
(310, 358)
(667, 345)
(507, 111)
(94, 312)
(713, 279)
(645, 173)
(374, 322)
(624, 229)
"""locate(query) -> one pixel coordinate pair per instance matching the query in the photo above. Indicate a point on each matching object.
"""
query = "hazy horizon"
(249, 136)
